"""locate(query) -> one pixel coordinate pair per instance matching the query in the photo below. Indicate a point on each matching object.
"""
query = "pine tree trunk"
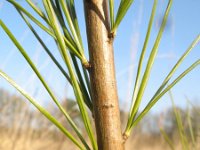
(102, 76)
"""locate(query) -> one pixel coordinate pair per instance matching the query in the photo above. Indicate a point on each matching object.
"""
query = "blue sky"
(184, 26)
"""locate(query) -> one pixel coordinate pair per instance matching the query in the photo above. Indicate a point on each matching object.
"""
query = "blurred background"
(23, 127)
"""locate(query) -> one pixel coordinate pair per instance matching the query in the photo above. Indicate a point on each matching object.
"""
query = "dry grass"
(25, 142)
(22, 143)
(21, 128)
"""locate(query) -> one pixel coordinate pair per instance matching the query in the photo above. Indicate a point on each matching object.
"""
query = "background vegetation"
(23, 128)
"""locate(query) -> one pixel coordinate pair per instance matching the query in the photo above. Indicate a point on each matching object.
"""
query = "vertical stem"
(102, 75)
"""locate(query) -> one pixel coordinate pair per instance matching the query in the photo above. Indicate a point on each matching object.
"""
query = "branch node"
(107, 106)
(125, 137)
(111, 35)
(86, 65)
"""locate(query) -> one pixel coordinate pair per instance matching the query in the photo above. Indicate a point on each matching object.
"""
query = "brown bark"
(102, 75)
